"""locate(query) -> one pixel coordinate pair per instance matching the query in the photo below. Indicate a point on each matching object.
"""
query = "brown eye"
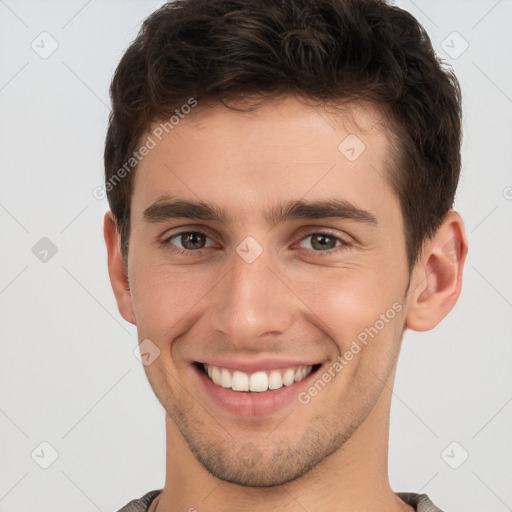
(323, 241)
(193, 240)
(184, 241)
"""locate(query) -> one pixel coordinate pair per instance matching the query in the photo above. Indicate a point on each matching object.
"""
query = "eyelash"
(198, 252)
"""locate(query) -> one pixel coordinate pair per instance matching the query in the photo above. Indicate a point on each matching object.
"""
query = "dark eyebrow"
(322, 209)
(167, 208)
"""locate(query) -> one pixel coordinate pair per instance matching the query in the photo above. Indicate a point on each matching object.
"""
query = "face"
(291, 273)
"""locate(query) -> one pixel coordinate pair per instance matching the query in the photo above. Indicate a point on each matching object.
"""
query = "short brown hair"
(328, 50)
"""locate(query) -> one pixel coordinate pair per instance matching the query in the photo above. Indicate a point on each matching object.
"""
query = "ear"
(116, 270)
(437, 278)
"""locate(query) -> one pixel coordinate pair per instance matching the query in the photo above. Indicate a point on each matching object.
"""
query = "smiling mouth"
(257, 382)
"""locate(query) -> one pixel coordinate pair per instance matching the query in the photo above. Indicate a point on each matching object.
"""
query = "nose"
(252, 300)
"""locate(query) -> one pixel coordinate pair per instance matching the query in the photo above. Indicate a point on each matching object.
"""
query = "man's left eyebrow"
(322, 209)
(168, 208)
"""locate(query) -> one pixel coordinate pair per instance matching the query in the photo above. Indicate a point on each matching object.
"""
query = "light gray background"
(68, 375)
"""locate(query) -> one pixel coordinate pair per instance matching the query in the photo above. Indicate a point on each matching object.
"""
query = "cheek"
(163, 297)
(353, 304)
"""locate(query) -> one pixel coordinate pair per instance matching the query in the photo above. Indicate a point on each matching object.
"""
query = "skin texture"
(291, 302)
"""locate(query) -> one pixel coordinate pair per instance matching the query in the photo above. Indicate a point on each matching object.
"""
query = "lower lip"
(245, 403)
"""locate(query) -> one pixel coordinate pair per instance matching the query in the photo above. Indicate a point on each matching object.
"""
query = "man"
(281, 177)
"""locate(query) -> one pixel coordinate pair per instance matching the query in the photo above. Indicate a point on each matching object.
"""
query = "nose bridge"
(251, 299)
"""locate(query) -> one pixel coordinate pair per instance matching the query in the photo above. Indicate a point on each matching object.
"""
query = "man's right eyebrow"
(167, 208)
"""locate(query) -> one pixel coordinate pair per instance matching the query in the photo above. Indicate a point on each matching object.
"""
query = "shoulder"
(421, 502)
(141, 504)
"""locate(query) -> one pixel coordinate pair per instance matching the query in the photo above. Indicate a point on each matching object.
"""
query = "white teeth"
(275, 380)
(225, 378)
(289, 377)
(216, 375)
(259, 381)
(240, 381)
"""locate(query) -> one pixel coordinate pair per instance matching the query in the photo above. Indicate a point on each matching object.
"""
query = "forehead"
(282, 149)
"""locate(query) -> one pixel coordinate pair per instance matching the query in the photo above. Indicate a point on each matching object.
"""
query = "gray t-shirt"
(420, 502)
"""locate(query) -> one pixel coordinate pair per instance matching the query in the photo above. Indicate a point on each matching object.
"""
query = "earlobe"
(118, 277)
(437, 278)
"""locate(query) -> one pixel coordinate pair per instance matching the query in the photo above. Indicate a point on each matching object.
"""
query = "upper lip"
(251, 365)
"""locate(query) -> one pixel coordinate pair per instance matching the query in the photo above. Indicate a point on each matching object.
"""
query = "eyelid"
(318, 230)
(181, 230)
